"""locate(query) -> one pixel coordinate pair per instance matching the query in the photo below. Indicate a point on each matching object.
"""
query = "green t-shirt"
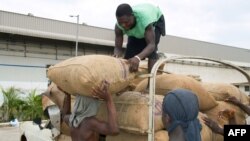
(145, 14)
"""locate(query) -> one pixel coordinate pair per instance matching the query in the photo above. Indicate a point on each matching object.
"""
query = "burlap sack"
(132, 112)
(143, 69)
(206, 132)
(161, 135)
(133, 84)
(46, 102)
(65, 129)
(213, 113)
(168, 82)
(221, 91)
(63, 137)
(78, 75)
(55, 95)
(217, 137)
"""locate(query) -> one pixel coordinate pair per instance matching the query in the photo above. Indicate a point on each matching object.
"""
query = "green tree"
(14, 106)
(12, 103)
(33, 107)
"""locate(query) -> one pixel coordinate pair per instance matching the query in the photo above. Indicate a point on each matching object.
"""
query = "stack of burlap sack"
(211, 98)
(79, 75)
(135, 123)
(221, 91)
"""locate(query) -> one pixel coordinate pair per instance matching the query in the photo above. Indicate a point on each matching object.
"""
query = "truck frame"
(30, 131)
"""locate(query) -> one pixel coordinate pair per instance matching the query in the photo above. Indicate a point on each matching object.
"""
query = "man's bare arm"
(213, 125)
(150, 39)
(110, 127)
(235, 101)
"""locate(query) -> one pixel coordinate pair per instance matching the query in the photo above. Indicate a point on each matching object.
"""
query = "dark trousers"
(135, 45)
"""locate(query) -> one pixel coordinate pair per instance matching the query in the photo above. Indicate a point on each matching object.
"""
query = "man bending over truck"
(84, 126)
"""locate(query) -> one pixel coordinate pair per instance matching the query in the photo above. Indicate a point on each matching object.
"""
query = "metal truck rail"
(152, 75)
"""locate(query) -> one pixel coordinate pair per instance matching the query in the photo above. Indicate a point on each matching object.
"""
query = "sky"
(225, 22)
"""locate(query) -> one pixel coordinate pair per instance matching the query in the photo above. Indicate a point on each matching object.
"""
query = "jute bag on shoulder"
(78, 75)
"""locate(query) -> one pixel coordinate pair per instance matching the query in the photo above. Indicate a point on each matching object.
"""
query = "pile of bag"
(132, 115)
(211, 98)
(132, 108)
(78, 75)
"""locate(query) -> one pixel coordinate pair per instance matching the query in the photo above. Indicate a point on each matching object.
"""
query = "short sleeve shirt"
(145, 14)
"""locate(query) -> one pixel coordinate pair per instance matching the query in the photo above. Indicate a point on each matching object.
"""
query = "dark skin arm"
(118, 42)
(66, 110)
(150, 40)
(110, 127)
(134, 62)
(236, 102)
(66, 104)
(213, 125)
(229, 114)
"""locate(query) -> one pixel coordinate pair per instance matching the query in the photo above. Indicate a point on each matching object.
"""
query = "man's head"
(179, 106)
(124, 16)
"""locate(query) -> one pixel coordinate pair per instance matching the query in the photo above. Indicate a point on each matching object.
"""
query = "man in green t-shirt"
(143, 24)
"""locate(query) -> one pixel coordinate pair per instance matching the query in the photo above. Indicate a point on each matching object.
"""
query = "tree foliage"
(26, 108)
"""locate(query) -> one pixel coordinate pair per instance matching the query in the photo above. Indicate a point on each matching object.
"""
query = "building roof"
(29, 25)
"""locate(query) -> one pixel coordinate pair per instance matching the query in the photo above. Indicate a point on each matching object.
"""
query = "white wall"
(25, 73)
(208, 74)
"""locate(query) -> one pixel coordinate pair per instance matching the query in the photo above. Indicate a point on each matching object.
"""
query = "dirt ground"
(9, 133)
